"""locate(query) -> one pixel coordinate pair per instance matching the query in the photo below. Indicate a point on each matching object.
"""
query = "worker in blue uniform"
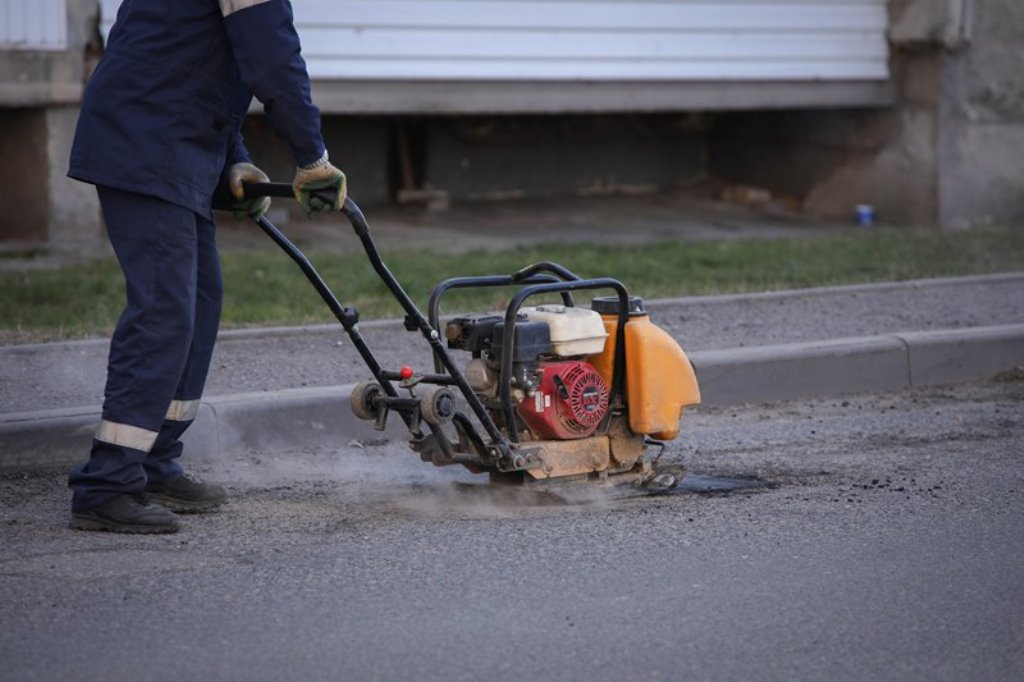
(159, 137)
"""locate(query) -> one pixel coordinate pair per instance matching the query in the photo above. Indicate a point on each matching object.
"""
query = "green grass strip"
(265, 287)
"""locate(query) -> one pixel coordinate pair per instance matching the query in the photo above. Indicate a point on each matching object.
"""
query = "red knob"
(405, 372)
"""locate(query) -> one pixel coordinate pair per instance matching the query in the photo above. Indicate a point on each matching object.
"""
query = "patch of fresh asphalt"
(50, 376)
(887, 547)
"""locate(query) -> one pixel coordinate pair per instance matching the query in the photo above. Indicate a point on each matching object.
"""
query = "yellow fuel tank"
(660, 381)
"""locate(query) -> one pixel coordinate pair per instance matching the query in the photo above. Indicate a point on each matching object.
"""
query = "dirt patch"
(1015, 374)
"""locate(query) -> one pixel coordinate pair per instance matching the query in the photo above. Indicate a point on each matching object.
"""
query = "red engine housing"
(570, 402)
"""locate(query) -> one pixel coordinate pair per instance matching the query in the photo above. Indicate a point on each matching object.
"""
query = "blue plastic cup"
(864, 214)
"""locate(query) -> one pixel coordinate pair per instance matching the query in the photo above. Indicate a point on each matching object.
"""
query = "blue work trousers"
(160, 352)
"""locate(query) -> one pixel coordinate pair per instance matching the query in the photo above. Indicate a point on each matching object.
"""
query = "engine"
(558, 394)
(570, 402)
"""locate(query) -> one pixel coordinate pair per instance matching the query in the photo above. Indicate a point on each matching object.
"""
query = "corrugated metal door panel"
(584, 14)
(592, 40)
(570, 70)
(349, 44)
(108, 12)
(791, 70)
(595, 40)
(33, 25)
(559, 14)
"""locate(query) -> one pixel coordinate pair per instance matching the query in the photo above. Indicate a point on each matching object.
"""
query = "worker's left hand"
(242, 207)
(321, 175)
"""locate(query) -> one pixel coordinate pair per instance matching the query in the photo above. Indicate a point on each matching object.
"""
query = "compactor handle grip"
(283, 189)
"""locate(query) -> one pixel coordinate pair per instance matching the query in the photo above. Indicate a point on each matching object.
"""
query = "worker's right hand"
(321, 175)
(242, 206)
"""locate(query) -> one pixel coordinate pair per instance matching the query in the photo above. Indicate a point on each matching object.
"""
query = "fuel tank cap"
(609, 305)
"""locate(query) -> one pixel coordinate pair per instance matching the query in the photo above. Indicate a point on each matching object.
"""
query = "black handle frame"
(283, 189)
(539, 278)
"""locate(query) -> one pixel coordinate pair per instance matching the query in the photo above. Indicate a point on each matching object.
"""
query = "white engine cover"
(574, 331)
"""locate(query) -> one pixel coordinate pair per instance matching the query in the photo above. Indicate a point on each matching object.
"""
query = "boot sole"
(95, 524)
(179, 506)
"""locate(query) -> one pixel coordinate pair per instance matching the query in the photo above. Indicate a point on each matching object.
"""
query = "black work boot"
(187, 495)
(126, 514)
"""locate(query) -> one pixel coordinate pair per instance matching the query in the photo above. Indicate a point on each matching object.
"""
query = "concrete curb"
(947, 357)
(802, 370)
(320, 417)
(858, 365)
(306, 417)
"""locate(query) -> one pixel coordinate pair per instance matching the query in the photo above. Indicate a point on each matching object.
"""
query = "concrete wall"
(43, 76)
(981, 119)
(832, 160)
(40, 204)
(947, 152)
(39, 92)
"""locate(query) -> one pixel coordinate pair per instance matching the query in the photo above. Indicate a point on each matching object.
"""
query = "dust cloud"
(385, 475)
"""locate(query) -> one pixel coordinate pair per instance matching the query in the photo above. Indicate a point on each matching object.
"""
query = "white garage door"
(33, 25)
(452, 55)
(595, 40)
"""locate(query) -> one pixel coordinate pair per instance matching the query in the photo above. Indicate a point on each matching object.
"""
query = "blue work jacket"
(161, 114)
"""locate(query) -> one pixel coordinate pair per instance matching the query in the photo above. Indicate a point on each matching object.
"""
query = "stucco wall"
(39, 92)
(948, 152)
(832, 160)
(981, 120)
(40, 77)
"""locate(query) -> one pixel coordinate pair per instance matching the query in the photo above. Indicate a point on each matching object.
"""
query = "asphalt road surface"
(877, 537)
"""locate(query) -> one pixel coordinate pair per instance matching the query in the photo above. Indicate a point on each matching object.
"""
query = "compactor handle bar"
(283, 189)
(349, 317)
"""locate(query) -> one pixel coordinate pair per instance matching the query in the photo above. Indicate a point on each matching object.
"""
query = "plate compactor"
(548, 392)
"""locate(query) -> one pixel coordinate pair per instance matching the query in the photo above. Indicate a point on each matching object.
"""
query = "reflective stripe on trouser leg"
(182, 411)
(126, 436)
(161, 463)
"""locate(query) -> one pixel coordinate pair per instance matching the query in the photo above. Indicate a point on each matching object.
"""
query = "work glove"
(320, 175)
(242, 207)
